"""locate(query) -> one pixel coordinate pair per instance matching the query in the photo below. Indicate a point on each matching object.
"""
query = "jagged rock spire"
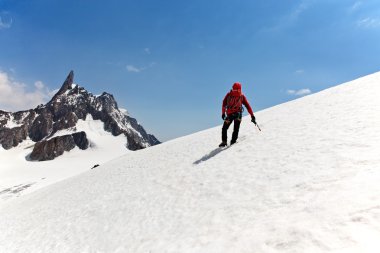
(66, 84)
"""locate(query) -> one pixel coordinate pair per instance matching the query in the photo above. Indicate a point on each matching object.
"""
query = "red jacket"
(235, 98)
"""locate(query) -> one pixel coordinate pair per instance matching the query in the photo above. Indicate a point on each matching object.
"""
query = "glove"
(253, 119)
(223, 116)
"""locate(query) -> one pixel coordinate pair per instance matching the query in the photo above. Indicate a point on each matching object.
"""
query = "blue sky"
(171, 62)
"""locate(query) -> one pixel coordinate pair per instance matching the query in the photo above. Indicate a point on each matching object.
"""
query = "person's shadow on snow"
(210, 155)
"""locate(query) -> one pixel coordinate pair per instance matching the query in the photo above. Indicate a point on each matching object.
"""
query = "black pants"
(236, 118)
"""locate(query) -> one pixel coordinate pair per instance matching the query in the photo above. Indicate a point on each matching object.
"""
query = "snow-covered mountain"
(91, 127)
(309, 182)
(44, 124)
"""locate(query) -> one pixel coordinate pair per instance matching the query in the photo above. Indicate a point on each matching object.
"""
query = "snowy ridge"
(77, 95)
(124, 111)
(90, 126)
(309, 182)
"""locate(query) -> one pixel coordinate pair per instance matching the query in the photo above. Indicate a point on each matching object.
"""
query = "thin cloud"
(301, 92)
(5, 20)
(292, 18)
(132, 68)
(304, 5)
(355, 7)
(14, 95)
(147, 50)
(299, 71)
(368, 22)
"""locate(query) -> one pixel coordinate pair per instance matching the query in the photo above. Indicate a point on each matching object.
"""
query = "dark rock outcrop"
(70, 104)
(80, 140)
(12, 137)
(14, 127)
(41, 127)
(50, 149)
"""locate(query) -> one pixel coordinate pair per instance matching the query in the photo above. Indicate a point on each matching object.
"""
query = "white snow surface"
(124, 111)
(309, 182)
(11, 123)
(19, 176)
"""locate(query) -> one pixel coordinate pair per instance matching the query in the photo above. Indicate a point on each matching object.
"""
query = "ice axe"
(258, 126)
(253, 120)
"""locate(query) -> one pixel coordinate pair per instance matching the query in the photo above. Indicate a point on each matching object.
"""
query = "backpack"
(234, 103)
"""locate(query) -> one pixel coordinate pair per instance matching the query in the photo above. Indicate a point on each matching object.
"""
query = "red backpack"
(234, 102)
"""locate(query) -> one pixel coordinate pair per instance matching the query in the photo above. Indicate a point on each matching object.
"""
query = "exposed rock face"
(41, 126)
(63, 111)
(14, 127)
(50, 149)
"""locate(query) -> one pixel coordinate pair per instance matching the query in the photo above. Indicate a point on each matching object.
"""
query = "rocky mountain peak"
(70, 104)
(67, 85)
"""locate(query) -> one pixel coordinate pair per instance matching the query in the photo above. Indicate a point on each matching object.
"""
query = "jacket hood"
(236, 86)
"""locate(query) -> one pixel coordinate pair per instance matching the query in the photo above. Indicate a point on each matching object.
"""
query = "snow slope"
(309, 182)
(18, 176)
